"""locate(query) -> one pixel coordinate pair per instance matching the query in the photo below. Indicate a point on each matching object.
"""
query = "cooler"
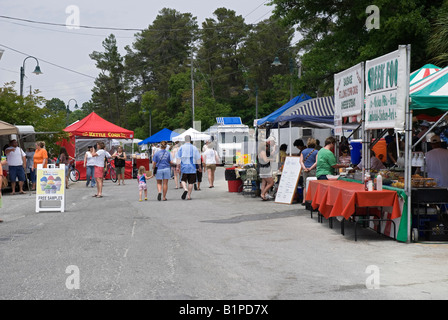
(356, 151)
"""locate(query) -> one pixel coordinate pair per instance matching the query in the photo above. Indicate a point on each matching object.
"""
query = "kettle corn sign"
(386, 80)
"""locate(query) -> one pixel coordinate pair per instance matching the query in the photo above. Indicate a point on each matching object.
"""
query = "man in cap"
(436, 161)
(424, 126)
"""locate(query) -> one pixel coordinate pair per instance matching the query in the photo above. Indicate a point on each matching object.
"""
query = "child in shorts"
(141, 178)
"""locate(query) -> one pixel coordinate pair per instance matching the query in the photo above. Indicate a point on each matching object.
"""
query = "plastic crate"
(438, 231)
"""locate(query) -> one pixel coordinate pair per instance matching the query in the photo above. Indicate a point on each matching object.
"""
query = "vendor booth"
(375, 92)
(429, 101)
(91, 130)
(163, 135)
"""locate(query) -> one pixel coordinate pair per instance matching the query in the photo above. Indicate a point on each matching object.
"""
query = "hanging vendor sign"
(348, 95)
(50, 188)
(386, 81)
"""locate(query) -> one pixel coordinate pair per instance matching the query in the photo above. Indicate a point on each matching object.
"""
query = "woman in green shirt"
(326, 160)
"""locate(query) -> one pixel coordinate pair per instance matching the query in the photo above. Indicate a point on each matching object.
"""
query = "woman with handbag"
(211, 160)
(120, 163)
(161, 164)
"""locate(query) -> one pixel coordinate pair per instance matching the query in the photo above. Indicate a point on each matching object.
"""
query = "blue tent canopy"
(162, 135)
(273, 116)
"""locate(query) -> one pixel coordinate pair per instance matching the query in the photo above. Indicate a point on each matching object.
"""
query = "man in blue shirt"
(188, 158)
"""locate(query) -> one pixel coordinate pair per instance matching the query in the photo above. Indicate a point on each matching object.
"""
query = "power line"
(61, 31)
(53, 64)
(99, 28)
(64, 25)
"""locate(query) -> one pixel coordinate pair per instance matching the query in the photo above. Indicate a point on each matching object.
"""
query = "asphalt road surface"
(218, 246)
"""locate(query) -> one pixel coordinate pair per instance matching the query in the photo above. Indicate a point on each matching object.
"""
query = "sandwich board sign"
(289, 180)
(50, 188)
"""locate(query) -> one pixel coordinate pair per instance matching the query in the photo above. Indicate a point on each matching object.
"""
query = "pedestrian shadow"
(256, 217)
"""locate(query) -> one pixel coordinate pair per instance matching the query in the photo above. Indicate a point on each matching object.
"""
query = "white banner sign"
(348, 95)
(386, 81)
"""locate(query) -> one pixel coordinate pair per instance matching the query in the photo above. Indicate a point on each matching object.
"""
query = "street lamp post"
(68, 108)
(246, 88)
(292, 65)
(22, 72)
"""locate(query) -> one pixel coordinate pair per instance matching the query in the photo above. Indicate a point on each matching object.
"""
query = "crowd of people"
(185, 164)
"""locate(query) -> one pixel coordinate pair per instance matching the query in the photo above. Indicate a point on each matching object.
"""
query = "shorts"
(211, 167)
(16, 172)
(99, 172)
(188, 177)
(142, 186)
(199, 176)
(163, 174)
(119, 170)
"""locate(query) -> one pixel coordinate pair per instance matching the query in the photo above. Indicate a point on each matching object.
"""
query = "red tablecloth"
(336, 198)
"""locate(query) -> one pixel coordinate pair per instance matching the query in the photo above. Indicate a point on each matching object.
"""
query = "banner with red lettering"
(93, 126)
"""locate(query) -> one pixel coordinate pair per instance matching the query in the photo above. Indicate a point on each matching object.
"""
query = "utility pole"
(192, 89)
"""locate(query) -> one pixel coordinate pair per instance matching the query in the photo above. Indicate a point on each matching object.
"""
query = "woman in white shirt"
(100, 154)
(176, 172)
(211, 159)
(89, 164)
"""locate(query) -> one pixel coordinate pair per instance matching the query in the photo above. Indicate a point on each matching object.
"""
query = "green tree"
(32, 110)
(110, 94)
(335, 36)
(438, 41)
(160, 50)
(56, 105)
(219, 55)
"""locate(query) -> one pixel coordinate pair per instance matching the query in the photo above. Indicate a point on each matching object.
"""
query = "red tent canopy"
(93, 126)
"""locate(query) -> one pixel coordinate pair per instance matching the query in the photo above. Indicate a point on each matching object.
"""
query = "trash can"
(234, 184)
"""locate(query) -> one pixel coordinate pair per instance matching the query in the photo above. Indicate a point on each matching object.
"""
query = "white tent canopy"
(195, 135)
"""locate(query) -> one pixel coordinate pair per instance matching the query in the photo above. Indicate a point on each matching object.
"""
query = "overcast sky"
(57, 47)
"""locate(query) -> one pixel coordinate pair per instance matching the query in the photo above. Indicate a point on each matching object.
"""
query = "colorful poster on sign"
(348, 95)
(50, 184)
(386, 81)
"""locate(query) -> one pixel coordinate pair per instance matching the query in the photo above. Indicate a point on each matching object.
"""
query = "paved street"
(220, 245)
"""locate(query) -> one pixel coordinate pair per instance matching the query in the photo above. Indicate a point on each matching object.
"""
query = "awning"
(429, 96)
(273, 116)
(228, 120)
(194, 134)
(163, 135)
(317, 112)
(423, 72)
(7, 128)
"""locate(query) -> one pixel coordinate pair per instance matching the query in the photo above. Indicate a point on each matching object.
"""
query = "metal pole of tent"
(279, 144)
(408, 147)
(290, 139)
